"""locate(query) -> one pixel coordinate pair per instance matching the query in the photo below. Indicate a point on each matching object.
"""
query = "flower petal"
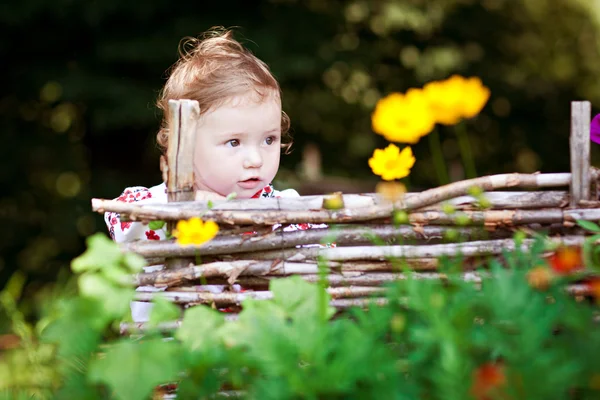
(595, 129)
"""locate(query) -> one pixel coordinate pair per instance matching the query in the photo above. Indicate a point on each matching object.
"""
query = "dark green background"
(95, 135)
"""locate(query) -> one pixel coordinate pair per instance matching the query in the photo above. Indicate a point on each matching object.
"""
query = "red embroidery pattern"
(151, 235)
(133, 195)
(129, 196)
(267, 191)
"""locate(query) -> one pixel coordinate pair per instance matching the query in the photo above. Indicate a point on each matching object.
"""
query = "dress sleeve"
(121, 231)
(301, 226)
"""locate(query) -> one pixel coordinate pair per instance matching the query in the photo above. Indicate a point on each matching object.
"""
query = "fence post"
(579, 142)
(180, 159)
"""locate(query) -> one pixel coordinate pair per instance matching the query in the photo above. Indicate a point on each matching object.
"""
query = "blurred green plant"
(432, 339)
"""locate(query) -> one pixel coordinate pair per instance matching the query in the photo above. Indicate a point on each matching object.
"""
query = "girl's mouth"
(249, 183)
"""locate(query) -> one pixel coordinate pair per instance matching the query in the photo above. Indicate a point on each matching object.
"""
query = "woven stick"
(380, 253)
(507, 217)
(342, 235)
(183, 124)
(231, 270)
(579, 141)
(275, 216)
(360, 279)
(221, 299)
(497, 200)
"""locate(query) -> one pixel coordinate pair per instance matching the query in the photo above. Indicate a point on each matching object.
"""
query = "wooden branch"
(486, 183)
(492, 217)
(342, 304)
(221, 299)
(497, 200)
(507, 200)
(248, 216)
(183, 125)
(580, 151)
(359, 278)
(234, 269)
(342, 235)
(371, 253)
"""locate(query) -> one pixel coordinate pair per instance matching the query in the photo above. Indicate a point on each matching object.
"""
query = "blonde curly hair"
(211, 70)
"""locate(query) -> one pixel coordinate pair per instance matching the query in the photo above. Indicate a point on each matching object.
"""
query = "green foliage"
(591, 252)
(154, 225)
(132, 369)
(428, 341)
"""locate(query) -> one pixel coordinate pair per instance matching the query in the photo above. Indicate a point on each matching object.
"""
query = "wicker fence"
(372, 236)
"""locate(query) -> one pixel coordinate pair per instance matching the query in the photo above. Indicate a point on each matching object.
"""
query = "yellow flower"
(456, 98)
(391, 191)
(403, 118)
(476, 96)
(195, 231)
(391, 163)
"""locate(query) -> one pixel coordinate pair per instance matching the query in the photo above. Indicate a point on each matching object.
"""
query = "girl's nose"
(253, 159)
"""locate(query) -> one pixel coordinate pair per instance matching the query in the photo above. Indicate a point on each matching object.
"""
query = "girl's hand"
(205, 195)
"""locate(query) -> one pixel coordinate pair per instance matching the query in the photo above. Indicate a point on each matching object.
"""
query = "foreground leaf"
(133, 369)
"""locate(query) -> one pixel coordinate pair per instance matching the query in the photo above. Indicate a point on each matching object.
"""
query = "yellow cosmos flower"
(403, 118)
(391, 191)
(195, 231)
(456, 98)
(391, 163)
(476, 96)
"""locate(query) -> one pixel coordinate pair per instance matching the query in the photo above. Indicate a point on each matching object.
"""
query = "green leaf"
(100, 251)
(133, 369)
(78, 329)
(198, 324)
(115, 299)
(94, 285)
(299, 298)
(116, 275)
(163, 310)
(589, 225)
(591, 252)
(133, 262)
(155, 225)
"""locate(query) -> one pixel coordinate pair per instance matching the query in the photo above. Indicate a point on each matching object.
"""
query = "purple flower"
(595, 129)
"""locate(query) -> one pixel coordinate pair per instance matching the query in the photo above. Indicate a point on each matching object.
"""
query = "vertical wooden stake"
(180, 159)
(580, 151)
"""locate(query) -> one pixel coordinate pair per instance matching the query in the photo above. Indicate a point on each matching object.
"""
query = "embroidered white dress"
(122, 232)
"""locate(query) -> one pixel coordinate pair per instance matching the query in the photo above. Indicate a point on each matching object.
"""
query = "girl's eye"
(233, 143)
(270, 140)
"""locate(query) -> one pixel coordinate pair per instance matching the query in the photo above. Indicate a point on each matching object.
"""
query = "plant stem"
(438, 157)
(323, 284)
(465, 150)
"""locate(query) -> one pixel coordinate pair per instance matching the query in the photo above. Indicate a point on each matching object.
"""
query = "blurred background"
(80, 78)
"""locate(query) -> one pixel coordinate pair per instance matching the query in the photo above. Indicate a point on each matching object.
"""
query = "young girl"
(241, 133)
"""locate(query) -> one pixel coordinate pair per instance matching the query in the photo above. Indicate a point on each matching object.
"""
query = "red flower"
(566, 260)
(151, 235)
(487, 380)
(593, 288)
(303, 227)
(125, 225)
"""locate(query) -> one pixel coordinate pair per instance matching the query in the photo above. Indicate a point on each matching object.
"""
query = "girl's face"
(238, 146)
